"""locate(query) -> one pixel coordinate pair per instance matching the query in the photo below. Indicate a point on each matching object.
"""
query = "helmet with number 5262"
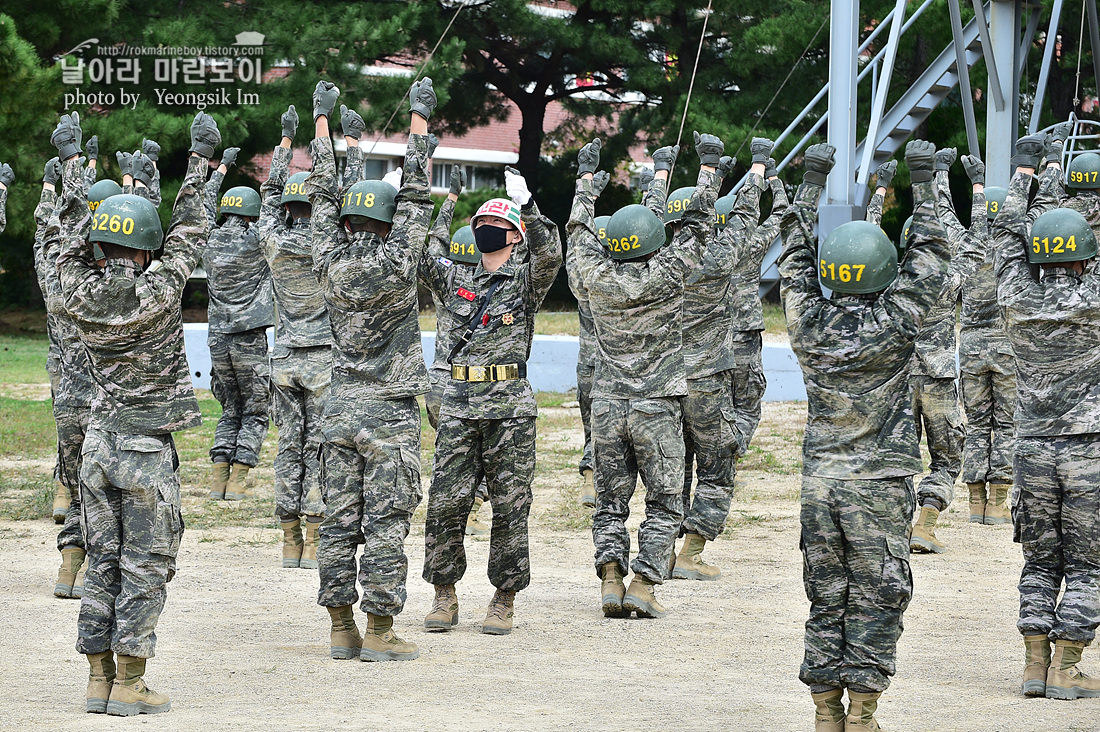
(1084, 171)
(374, 199)
(857, 259)
(1061, 235)
(128, 221)
(634, 231)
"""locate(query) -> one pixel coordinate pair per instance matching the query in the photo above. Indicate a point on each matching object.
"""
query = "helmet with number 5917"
(857, 258)
(128, 221)
(1084, 171)
(1061, 235)
(634, 231)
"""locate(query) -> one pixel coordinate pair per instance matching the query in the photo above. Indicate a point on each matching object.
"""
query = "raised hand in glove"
(709, 149)
(433, 143)
(920, 155)
(205, 135)
(885, 174)
(1029, 150)
(645, 178)
(945, 158)
(352, 123)
(588, 159)
(394, 178)
(761, 148)
(143, 168)
(665, 157)
(1061, 131)
(229, 156)
(975, 169)
(92, 148)
(820, 159)
(770, 169)
(325, 95)
(516, 187)
(150, 149)
(458, 179)
(422, 99)
(600, 181)
(289, 121)
(52, 171)
(67, 135)
(125, 162)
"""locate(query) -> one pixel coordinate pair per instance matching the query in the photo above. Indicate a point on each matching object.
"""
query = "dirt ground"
(243, 644)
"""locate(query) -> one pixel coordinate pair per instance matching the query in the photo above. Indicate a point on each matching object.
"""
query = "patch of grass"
(774, 319)
(23, 359)
(26, 498)
(27, 429)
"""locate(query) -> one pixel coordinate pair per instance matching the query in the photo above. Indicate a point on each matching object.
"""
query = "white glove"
(394, 178)
(516, 187)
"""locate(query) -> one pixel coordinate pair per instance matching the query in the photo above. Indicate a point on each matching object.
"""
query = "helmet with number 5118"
(128, 221)
(374, 199)
(857, 259)
(634, 231)
(1061, 235)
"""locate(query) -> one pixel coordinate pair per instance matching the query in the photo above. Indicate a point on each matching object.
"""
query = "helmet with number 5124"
(857, 258)
(1061, 235)
(128, 221)
(634, 231)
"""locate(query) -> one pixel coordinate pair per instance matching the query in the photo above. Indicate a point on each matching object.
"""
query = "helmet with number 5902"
(634, 231)
(128, 221)
(240, 200)
(857, 258)
(677, 203)
(1061, 235)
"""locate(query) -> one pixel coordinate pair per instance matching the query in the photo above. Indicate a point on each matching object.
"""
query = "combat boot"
(588, 489)
(344, 638)
(101, 676)
(690, 564)
(292, 543)
(219, 477)
(444, 613)
(130, 695)
(861, 712)
(977, 502)
(923, 539)
(237, 488)
(829, 711)
(1064, 679)
(1037, 663)
(997, 510)
(380, 643)
(309, 548)
(61, 501)
(78, 586)
(498, 621)
(72, 559)
(640, 599)
(612, 590)
(473, 526)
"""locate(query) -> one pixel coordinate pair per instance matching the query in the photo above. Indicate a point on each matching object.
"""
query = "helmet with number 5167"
(1061, 235)
(128, 221)
(857, 258)
(634, 231)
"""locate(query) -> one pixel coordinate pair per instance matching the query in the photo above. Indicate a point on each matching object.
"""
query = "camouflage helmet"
(374, 199)
(128, 221)
(634, 231)
(857, 258)
(676, 203)
(1084, 171)
(463, 249)
(240, 200)
(601, 228)
(295, 189)
(903, 242)
(722, 208)
(102, 189)
(994, 201)
(1061, 235)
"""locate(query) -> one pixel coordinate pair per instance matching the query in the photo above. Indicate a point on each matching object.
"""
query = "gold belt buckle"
(458, 373)
(478, 373)
(506, 371)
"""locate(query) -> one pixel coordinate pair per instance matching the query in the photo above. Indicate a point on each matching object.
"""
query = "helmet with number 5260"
(634, 231)
(374, 199)
(1061, 235)
(857, 259)
(128, 221)
(1084, 171)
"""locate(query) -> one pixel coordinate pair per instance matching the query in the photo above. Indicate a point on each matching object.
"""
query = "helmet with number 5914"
(374, 199)
(463, 248)
(634, 231)
(1061, 235)
(128, 221)
(857, 258)
(1084, 171)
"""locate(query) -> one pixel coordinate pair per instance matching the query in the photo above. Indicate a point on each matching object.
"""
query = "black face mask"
(490, 238)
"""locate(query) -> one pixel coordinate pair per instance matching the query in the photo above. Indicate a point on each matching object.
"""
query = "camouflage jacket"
(303, 318)
(508, 327)
(74, 385)
(443, 277)
(854, 350)
(369, 285)
(874, 208)
(748, 312)
(238, 278)
(586, 336)
(1053, 325)
(130, 320)
(638, 306)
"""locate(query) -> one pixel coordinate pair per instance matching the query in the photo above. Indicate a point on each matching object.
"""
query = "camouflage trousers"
(300, 382)
(371, 482)
(939, 415)
(632, 437)
(240, 380)
(585, 372)
(855, 565)
(133, 527)
(1056, 514)
(503, 451)
(72, 425)
(989, 397)
(432, 401)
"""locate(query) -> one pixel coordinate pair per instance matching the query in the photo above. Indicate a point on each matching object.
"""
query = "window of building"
(477, 177)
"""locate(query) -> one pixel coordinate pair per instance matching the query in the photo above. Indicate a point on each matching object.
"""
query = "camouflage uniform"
(637, 419)
(239, 284)
(72, 395)
(860, 447)
(1052, 325)
(488, 428)
(131, 324)
(301, 365)
(370, 444)
(586, 356)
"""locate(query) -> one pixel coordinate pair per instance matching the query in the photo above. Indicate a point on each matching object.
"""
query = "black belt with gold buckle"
(495, 372)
